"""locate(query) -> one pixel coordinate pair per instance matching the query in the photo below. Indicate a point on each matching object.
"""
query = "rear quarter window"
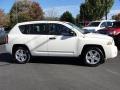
(24, 29)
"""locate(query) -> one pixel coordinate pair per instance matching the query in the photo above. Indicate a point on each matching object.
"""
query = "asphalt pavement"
(58, 74)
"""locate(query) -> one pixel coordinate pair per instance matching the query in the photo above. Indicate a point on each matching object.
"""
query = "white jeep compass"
(62, 39)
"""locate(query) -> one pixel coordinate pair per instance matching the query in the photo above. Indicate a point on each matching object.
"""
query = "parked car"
(97, 25)
(60, 39)
(113, 31)
(2, 36)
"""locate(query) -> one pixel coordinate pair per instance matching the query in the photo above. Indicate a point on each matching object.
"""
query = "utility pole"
(106, 17)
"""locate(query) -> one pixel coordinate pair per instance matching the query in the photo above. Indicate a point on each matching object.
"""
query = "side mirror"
(103, 26)
(65, 34)
(71, 33)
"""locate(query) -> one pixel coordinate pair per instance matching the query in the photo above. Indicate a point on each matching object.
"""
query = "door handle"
(52, 38)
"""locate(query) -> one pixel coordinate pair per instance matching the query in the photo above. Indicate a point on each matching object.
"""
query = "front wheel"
(93, 56)
(21, 55)
(118, 41)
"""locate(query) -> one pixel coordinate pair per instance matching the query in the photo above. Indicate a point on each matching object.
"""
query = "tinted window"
(109, 24)
(94, 24)
(58, 29)
(104, 24)
(54, 29)
(116, 24)
(34, 29)
(25, 29)
(39, 29)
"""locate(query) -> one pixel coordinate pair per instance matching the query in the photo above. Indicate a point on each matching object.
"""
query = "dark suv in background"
(113, 31)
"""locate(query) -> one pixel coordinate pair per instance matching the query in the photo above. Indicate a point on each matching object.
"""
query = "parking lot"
(58, 74)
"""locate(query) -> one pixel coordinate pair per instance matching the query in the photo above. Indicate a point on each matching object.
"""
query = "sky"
(59, 6)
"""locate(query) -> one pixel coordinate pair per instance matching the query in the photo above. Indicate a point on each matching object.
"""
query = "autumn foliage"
(25, 11)
(3, 18)
(116, 17)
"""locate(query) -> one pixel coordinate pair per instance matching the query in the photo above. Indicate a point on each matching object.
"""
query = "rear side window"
(34, 29)
(39, 29)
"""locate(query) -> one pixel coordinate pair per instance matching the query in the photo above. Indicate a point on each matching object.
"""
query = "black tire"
(21, 58)
(93, 60)
(118, 41)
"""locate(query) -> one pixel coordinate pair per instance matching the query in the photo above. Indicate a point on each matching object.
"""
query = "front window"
(58, 29)
(104, 24)
(77, 28)
(94, 24)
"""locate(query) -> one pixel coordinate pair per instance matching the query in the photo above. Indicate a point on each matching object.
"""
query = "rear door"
(36, 36)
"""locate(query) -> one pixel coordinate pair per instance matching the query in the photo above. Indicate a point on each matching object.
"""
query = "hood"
(99, 36)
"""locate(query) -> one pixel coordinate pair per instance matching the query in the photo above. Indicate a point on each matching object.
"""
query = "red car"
(113, 31)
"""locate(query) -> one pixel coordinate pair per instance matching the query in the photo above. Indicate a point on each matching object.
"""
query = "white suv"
(62, 39)
(97, 25)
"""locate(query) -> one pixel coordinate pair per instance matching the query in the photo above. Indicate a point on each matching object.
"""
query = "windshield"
(76, 27)
(94, 24)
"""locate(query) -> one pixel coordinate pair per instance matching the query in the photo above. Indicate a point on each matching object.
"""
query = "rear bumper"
(8, 48)
(111, 51)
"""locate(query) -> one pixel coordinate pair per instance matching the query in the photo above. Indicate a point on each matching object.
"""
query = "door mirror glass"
(71, 33)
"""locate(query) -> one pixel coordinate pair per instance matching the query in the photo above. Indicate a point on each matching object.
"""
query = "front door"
(62, 41)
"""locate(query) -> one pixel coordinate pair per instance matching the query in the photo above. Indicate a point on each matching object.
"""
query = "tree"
(95, 9)
(116, 17)
(3, 19)
(25, 10)
(51, 14)
(77, 20)
(67, 16)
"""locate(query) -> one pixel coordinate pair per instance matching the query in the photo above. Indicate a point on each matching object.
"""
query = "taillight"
(113, 33)
(6, 39)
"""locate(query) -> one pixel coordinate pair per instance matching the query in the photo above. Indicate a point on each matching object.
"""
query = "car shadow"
(118, 48)
(57, 60)
(6, 59)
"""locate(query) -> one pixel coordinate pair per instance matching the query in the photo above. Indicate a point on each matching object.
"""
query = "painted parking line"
(113, 72)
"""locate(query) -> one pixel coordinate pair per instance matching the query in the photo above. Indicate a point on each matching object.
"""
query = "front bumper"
(111, 51)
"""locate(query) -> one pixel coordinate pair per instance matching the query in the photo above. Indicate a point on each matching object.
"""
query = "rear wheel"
(93, 56)
(21, 55)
